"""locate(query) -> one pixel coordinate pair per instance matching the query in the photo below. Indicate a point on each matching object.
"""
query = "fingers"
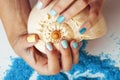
(51, 64)
(53, 59)
(68, 9)
(26, 41)
(48, 65)
(75, 50)
(60, 6)
(93, 17)
(66, 57)
(78, 6)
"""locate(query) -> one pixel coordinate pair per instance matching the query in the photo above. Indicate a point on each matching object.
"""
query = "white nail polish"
(39, 5)
(49, 46)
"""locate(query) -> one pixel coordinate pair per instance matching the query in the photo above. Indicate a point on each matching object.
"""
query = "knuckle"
(67, 54)
(75, 52)
(58, 8)
(67, 68)
(85, 2)
(96, 13)
(68, 14)
(15, 45)
(75, 62)
(54, 71)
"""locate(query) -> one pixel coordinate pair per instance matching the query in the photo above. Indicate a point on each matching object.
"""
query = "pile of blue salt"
(89, 68)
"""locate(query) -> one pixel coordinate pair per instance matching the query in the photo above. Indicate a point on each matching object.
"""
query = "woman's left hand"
(69, 8)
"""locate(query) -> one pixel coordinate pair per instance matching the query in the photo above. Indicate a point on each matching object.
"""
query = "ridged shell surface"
(45, 25)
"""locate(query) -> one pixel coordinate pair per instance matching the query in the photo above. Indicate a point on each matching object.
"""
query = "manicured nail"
(82, 31)
(75, 45)
(39, 5)
(31, 38)
(49, 46)
(53, 12)
(60, 19)
(64, 44)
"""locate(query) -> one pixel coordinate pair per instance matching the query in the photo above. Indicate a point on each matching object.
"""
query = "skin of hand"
(66, 9)
(14, 15)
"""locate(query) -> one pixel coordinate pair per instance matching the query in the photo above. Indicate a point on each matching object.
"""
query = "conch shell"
(45, 25)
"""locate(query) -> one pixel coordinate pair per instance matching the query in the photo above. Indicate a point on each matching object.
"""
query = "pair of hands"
(53, 62)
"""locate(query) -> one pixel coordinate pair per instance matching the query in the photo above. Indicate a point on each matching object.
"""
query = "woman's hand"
(51, 63)
(15, 24)
(69, 8)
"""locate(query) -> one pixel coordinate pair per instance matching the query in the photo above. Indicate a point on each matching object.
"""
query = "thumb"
(29, 40)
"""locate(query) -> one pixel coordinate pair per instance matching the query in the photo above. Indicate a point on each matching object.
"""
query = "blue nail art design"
(49, 46)
(64, 44)
(60, 19)
(82, 31)
(53, 12)
(75, 45)
(39, 5)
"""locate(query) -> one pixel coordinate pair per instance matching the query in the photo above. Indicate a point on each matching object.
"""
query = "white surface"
(107, 44)
(110, 43)
(111, 12)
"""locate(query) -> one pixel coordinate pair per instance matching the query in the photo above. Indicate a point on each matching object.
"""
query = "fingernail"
(75, 45)
(39, 5)
(53, 12)
(64, 44)
(60, 19)
(31, 38)
(82, 31)
(49, 46)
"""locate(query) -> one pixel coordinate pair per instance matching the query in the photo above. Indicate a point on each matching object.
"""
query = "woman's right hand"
(51, 63)
(23, 43)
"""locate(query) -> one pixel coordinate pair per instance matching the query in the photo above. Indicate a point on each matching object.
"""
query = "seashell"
(45, 25)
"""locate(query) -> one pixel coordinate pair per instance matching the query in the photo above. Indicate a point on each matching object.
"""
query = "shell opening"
(56, 34)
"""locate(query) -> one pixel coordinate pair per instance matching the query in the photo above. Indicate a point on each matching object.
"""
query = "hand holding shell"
(45, 25)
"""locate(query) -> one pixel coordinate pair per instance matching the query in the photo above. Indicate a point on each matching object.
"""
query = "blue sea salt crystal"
(88, 66)
(19, 70)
